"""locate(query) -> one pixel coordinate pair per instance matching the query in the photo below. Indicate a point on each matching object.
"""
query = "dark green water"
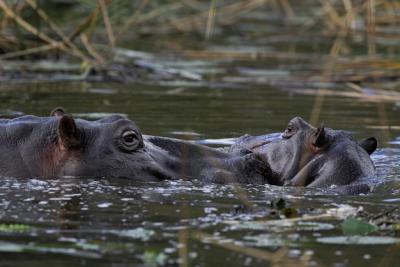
(208, 112)
(117, 222)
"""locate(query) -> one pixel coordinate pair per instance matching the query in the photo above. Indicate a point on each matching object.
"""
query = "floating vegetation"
(19, 248)
(264, 240)
(138, 233)
(359, 240)
(154, 259)
(280, 225)
(14, 228)
(352, 226)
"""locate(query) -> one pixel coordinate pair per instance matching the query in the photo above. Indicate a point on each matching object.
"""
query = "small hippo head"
(60, 145)
(305, 155)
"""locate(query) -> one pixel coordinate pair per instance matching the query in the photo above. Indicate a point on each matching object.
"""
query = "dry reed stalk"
(29, 51)
(330, 65)
(382, 115)
(183, 237)
(88, 22)
(388, 97)
(211, 19)
(90, 48)
(243, 55)
(383, 119)
(193, 4)
(132, 19)
(332, 14)
(348, 6)
(107, 23)
(18, 7)
(227, 12)
(27, 26)
(287, 8)
(56, 29)
(371, 27)
(370, 62)
(272, 257)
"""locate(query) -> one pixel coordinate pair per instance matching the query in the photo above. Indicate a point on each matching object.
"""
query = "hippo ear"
(57, 112)
(369, 144)
(68, 133)
(319, 136)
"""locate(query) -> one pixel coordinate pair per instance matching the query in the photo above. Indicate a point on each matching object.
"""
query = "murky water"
(102, 221)
(119, 222)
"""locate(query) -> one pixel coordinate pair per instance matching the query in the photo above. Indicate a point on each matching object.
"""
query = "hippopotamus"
(310, 156)
(60, 145)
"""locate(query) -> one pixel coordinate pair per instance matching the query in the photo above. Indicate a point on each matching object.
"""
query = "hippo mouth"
(262, 140)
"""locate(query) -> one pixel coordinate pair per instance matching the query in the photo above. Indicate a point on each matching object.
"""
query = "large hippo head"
(113, 146)
(309, 156)
(63, 146)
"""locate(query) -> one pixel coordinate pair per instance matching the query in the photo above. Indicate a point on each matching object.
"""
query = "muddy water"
(99, 222)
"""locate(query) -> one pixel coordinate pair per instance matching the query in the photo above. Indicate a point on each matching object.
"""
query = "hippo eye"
(130, 139)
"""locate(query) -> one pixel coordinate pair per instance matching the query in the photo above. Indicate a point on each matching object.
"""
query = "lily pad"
(12, 228)
(359, 240)
(152, 258)
(18, 248)
(266, 240)
(138, 233)
(280, 225)
(10, 247)
(352, 226)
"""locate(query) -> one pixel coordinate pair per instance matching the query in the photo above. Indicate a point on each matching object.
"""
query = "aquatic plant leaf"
(14, 228)
(359, 240)
(138, 233)
(15, 247)
(264, 240)
(280, 225)
(352, 226)
(10, 247)
(152, 258)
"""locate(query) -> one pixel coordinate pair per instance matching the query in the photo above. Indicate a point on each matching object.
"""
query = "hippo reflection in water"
(313, 157)
(60, 145)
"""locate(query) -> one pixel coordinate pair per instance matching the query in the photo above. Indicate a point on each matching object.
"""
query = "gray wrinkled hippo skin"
(313, 157)
(60, 145)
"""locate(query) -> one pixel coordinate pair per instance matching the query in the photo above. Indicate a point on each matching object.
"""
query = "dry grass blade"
(107, 23)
